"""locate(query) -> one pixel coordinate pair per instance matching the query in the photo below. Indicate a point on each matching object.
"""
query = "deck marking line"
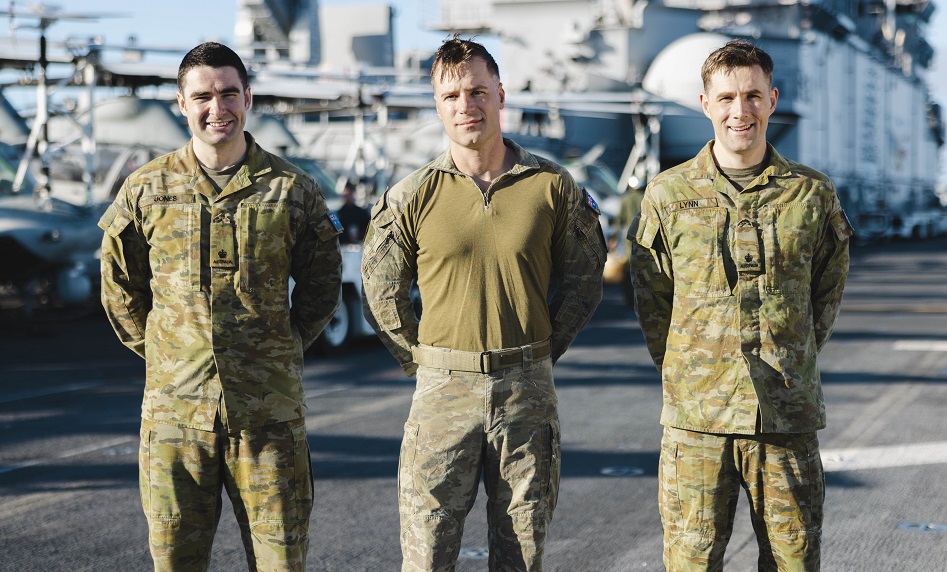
(19, 396)
(73, 453)
(921, 345)
(882, 457)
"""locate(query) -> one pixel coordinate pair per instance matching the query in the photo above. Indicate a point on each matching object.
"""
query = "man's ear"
(705, 104)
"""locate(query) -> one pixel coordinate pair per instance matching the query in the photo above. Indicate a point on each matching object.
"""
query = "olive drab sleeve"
(653, 279)
(578, 265)
(317, 270)
(829, 272)
(126, 294)
(388, 270)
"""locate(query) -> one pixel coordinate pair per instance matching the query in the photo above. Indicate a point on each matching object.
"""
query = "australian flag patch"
(335, 222)
(591, 202)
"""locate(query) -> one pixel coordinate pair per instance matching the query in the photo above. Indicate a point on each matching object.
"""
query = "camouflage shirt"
(483, 261)
(197, 284)
(737, 292)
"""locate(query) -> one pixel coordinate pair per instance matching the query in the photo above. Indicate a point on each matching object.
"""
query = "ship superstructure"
(851, 76)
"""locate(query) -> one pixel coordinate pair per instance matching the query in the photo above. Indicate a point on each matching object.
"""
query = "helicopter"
(49, 238)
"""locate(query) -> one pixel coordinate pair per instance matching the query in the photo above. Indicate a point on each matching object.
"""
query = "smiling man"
(198, 250)
(739, 261)
(482, 229)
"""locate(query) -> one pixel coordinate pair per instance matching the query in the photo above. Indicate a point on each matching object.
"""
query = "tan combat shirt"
(737, 292)
(483, 261)
(197, 284)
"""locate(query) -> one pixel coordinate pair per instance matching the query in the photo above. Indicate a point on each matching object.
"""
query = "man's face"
(215, 104)
(469, 104)
(739, 102)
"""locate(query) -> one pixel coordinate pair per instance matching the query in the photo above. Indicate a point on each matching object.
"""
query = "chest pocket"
(791, 233)
(265, 239)
(697, 246)
(172, 227)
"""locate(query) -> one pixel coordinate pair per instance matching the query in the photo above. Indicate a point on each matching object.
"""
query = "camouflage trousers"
(700, 476)
(267, 475)
(503, 425)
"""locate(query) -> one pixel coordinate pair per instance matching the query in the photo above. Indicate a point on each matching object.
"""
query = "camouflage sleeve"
(126, 274)
(388, 270)
(653, 279)
(578, 266)
(317, 270)
(830, 270)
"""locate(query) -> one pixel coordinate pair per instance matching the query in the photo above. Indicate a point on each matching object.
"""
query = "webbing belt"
(482, 362)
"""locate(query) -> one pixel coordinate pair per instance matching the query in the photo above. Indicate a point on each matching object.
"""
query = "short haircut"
(736, 54)
(454, 53)
(215, 55)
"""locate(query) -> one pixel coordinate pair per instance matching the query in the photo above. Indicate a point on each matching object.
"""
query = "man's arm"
(653, 280)
(317, 270)
(578, 264)
(829, 272)
(126, 273)
(388, 270)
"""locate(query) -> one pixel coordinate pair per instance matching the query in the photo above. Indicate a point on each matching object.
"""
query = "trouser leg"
(521, 467)
(180, 485)
(786, 489)
(439, 468)
(269, 481)
(698, 490)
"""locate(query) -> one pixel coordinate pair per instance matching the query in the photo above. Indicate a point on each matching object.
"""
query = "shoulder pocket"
(841, 225)
(383, 217)
(380, 238)
(587, 231)
(327, 227)
(114, 220)
(645, 230)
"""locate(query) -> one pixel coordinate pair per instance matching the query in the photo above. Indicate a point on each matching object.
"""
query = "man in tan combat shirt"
(740, 258)
(198, 250)
(481, 229)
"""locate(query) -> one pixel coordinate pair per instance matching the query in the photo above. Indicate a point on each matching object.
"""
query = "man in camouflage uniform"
(198, 249)
(740, 258)
(482, 228)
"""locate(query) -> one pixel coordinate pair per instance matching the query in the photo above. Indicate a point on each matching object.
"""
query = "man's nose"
(216, 105)
(464, 101)
(741, 107)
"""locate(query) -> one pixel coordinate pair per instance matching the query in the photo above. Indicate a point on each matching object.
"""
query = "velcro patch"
(591, 203)
(335, 221)
(690, 204)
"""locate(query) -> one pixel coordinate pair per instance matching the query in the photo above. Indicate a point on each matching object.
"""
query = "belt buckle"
(485, 361)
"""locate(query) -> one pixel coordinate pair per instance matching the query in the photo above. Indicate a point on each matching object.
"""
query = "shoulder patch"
(591, 202)
(335, 221)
